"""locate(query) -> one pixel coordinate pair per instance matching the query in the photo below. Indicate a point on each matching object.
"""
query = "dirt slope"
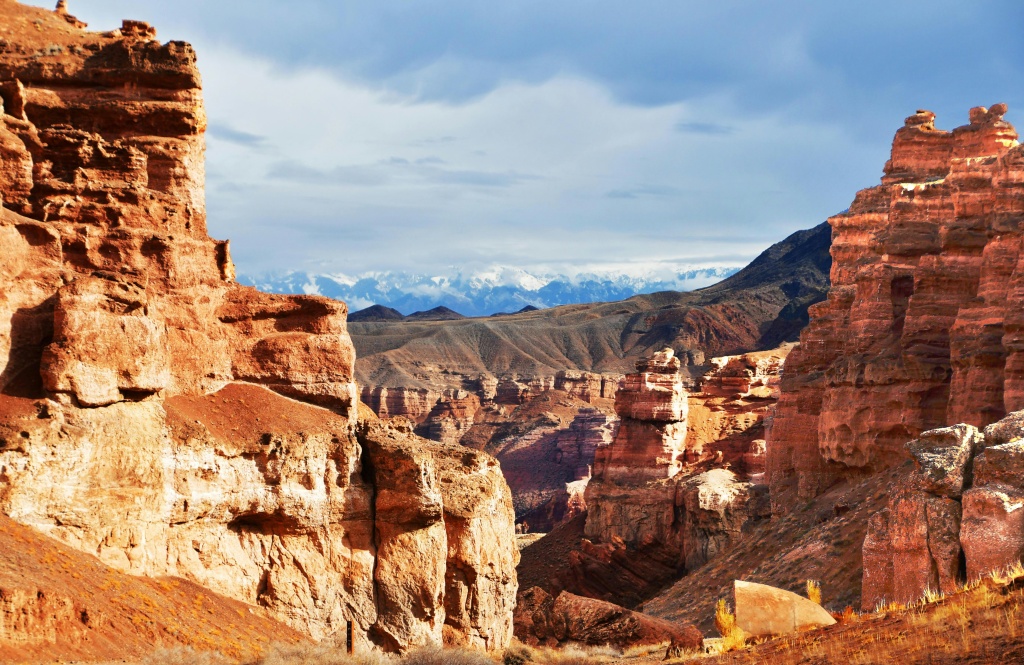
(57, 603)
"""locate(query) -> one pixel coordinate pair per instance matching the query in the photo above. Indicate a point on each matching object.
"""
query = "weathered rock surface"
(158, 415)
(543, 620)
(412, 403)
(764, 610)
(922, 324)
(953, 517)
(992, 532)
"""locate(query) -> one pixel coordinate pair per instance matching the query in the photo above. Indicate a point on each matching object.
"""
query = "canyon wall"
(171, 422)
(922, 326)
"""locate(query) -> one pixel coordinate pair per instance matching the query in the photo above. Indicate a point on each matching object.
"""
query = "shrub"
(445, 656)
(319, 654)
(814, 591)
(733, 636)
(725, 620)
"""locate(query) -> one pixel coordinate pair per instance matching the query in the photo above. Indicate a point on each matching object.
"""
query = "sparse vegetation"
(725, 622)
(978, 623)
(814, 591)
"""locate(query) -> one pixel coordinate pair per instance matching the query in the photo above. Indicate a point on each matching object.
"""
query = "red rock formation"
(130, 425)
(652, 434)
(922, 326)
(412, 403)
(543, 620)
(956, 516)
(656, 493)
(452, 416)
(727, 411)
(587, 386)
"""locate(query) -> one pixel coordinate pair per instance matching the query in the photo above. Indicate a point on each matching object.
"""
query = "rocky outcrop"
(171, 422)
(955, 516)
(568, 618)
(587, 386)
(412, 403)
(446, 545)
(922, 323)
(452, 416)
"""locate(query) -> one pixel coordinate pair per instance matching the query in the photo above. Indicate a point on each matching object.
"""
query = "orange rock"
(922, 323)
(764, 610)
(170, 421)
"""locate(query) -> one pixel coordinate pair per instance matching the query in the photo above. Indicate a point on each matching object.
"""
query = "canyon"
(848, 408)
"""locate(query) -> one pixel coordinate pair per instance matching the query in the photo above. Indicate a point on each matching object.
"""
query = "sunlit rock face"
(923, 324)
(171, 422)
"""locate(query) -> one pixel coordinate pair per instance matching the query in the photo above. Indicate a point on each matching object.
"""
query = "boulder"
(763, 610)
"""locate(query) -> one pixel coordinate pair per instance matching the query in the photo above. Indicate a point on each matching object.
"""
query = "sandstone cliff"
(922, 326)
(161, 417)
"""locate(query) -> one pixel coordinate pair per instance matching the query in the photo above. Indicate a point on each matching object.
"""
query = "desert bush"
(725, 620)
(517, 653)
(445, 656)
(184, 656)
(320, 654)
(814, 591)
(733, 636)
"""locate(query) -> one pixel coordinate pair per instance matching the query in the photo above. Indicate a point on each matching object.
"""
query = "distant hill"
(376, 313)
(435, 314)
(759, 307)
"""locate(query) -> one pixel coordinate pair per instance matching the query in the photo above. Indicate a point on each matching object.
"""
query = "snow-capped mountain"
(484, 292)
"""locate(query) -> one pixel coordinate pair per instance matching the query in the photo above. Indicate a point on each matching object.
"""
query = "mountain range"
(500, 289)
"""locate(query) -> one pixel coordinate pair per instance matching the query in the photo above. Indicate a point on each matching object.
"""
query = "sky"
(427, 135)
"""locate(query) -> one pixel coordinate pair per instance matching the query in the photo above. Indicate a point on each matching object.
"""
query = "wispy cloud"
(708, 128)
(643, 190)
(225, 132)
(392, 169)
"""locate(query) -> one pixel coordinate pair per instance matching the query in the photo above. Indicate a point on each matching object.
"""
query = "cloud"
(709, 128)
(644, 190)
(225, 132)
(360, 136)
(389, 170)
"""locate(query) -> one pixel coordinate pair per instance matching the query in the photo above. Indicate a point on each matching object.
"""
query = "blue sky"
(560, 135)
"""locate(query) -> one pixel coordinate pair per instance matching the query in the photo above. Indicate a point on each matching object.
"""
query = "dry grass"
(979, 624)
(322, 654)
(814, 591)
(725, 621)
(571, 654)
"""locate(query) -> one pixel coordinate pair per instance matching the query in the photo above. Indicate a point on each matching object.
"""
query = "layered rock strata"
(158, 415)
(956, 516)
(922, 325)
(662, 490)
